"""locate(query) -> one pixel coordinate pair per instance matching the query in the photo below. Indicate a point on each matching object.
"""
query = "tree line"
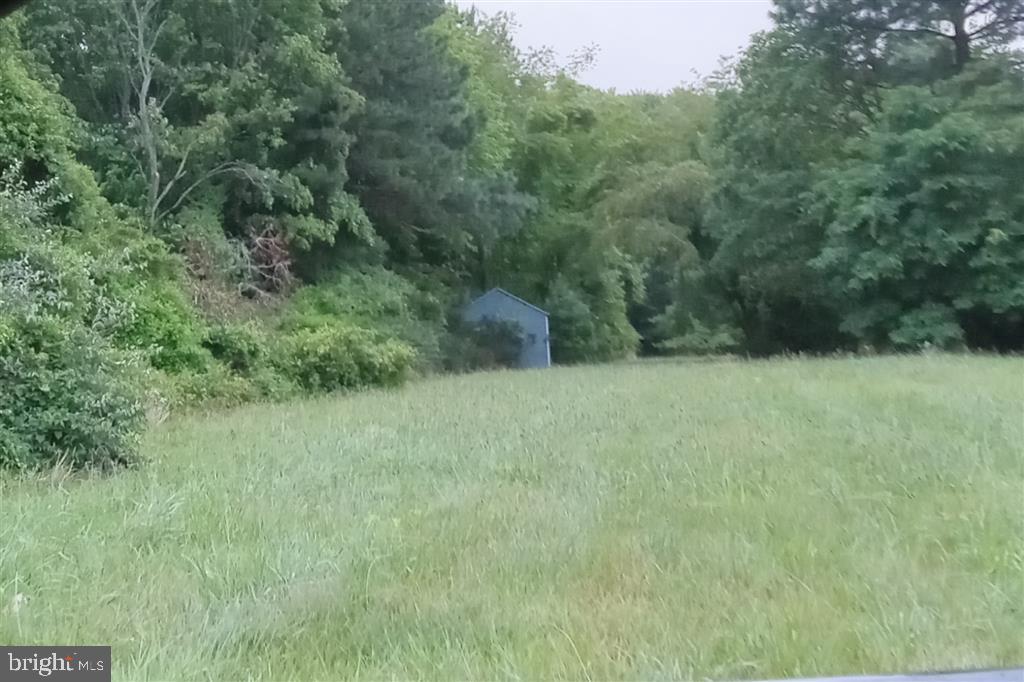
(245, 199)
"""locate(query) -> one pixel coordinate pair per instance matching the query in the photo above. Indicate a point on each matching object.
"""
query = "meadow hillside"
(654, 520)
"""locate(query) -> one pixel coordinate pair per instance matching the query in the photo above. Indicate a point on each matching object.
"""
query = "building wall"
(495, 305)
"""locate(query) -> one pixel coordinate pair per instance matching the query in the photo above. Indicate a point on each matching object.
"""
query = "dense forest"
(217, 202)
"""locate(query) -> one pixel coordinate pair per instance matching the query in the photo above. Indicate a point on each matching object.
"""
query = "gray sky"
(644, 44)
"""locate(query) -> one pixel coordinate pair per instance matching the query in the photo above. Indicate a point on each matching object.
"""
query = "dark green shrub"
(272, 384)
(572, 325)
(215, 386)
(701, 340)
(375, 299)
(930, 326)
(334, 357)
(589, 321)
(357, 296)
(165, 326)
(65, 394)
(67, 397)
(488, 344)
(242, 347)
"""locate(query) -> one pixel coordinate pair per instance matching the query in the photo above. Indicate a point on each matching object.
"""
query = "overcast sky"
(643, 44)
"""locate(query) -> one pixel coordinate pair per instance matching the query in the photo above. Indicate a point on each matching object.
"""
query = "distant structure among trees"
(498, 305)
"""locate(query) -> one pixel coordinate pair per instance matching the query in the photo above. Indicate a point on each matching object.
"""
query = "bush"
(334, 357)
(67, 397)
(272, 384)
(65, 394)
(589, 321)
(488, 344)
(699, 319)
(374, 299)
(215, 386)
(358, 296)
(701, 340)
(931, 325)
(242, 347)
(572, 325)
(166, 327)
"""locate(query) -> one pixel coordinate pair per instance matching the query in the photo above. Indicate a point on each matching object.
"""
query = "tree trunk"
(961, 40)
(485, 280)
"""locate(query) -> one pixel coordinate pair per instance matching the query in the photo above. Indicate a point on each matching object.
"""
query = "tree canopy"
(294, 180)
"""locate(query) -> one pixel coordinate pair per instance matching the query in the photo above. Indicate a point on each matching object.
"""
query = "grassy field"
(721, 520)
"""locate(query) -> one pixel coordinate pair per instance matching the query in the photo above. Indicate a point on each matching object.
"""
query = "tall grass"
(648, 521)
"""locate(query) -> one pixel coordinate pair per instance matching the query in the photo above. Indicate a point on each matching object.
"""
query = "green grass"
(648, 521)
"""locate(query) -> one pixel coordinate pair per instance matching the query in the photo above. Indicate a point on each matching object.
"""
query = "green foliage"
(926, 217)
(409, 157)
(701, 340)
(459, 148)
(483, 46)
(242, 347)
(782, 118)
(376, 299)
(622, 197)
(589, 324)
(336, 357)
(165, 327)
(38, 135)
(862, 191)
(858, 32)
(371, 295)
(930, 325)
(184, 99)
(35, 125)
(273, 385)
(606, 296)
(572, 325)
(699, 320)
(68, 398)
(324, 179)
(214, 386)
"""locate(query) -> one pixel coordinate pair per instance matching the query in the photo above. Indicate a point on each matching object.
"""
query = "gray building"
(500, 306)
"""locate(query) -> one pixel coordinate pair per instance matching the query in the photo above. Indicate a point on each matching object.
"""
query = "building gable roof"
(499, 290)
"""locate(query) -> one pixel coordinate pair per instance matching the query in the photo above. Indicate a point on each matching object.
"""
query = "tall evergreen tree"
(409, 163)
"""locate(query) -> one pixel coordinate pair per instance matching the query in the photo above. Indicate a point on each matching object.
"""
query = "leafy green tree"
(868, 31)
(846, 112)
(495, 89)
(648, 196)
(272, 71)
(236, 105)
(785, 116)
(499, 90)
(925, 237)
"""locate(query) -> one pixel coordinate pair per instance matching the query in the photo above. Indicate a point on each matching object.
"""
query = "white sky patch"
(651, 45)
